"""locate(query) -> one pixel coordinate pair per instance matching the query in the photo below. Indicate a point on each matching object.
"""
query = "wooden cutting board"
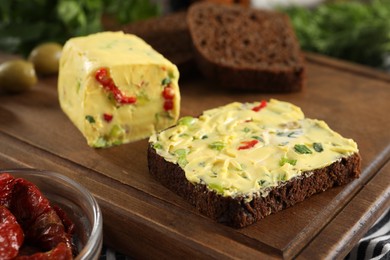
(145, 220)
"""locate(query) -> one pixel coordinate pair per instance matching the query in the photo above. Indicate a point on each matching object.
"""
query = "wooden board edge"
(343, 65)
(363, 210)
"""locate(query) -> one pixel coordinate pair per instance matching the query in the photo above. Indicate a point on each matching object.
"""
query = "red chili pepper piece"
(168, 104)
(248, 144)
(103, 77)
(262, 104)
(11, 234)
(111, 87)
(107, 117)
(168, 92)
(128, 100)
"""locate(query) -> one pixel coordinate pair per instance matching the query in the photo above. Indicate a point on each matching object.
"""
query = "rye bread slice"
(168, 35)
(244, 48)
(238, 213)
(240, 162)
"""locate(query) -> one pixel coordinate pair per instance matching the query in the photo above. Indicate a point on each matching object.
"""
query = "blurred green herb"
(126, 11)
(350, 30)
(24, 24)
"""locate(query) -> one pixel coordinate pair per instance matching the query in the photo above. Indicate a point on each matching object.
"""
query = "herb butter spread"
(245, 149)
(116, 89)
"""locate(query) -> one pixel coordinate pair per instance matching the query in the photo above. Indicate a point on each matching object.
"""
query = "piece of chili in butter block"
(116, 88)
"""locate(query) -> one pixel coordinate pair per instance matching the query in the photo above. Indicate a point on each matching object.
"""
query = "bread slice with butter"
(243, 161)
(116, 88)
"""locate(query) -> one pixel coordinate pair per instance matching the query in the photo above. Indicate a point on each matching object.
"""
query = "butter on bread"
(241, 162)
(116, 88)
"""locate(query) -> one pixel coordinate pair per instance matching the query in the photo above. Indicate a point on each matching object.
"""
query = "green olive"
(46, 57)
(17, 76)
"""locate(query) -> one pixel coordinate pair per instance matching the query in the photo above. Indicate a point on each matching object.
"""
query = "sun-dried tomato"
(60, 252)
(27, 202)
(45, 227)
(6, 187)
(11, 234)
(47, 231)
(70, 227)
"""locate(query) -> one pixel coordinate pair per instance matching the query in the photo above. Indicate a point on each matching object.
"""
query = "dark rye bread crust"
(244, 48)
(238, 213)
(168, 35)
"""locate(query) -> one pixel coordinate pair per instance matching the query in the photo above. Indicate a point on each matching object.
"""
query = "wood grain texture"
(360, 213)
(144, 219)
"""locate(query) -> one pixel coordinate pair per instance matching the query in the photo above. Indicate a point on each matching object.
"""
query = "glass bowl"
(78, 203)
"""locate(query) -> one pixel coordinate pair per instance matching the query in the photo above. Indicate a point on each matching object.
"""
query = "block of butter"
(116, 88)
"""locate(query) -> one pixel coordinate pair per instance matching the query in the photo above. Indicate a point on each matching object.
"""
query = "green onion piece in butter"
(78, 86)
(142, 98)
(246, 130)
(285, 160)
(116, 131)
(182, 161)
(302, 149)
(259, 138)
(157, 146)
(283, 177)
(318, 147)
(171, 75)
(100, 143)
(216, 187)
(187, 120)
(181, 154)
(166, 81)
(90, 119)
(218, 145)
